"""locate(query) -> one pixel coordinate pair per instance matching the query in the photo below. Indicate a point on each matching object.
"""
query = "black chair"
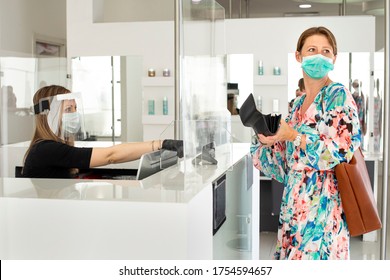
(18, 171)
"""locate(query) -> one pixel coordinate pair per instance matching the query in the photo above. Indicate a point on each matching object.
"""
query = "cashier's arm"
(122, 152)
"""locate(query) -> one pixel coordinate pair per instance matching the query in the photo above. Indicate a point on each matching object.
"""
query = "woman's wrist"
(156, 145)
(293, 135)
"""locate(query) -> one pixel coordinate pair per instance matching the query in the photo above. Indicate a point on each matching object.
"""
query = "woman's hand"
(173, 145)
(284, 133)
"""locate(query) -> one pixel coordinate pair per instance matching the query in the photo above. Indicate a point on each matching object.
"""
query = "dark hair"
(301, 84)
(317, 30)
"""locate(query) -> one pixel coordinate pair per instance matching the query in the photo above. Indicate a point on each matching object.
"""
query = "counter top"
(176, 184)
(167, 216)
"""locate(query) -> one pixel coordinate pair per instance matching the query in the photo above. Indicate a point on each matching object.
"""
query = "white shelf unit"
(270, 88)
(157, 119)
(158, 125)
(270, 80)
(158, 82)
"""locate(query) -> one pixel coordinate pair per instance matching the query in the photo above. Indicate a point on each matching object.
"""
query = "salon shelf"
(157, 119)
(156, 88)
(158, 81)
(270, 80)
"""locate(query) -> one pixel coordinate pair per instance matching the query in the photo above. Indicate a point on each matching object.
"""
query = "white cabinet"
(157, 125)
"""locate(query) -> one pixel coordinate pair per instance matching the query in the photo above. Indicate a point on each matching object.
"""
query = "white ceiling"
(279, 8)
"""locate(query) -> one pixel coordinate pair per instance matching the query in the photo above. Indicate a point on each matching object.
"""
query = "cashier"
(58, 119)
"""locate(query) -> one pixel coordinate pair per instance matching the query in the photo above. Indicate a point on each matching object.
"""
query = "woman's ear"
(334, 59)
(298, 56)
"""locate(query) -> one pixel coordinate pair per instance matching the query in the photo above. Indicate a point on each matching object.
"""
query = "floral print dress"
(312, 223)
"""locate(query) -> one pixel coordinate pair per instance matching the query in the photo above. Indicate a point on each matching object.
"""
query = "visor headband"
(43, 106)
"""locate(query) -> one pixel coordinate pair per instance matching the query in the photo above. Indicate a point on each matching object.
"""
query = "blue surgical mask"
(317, 66)
(71, 122)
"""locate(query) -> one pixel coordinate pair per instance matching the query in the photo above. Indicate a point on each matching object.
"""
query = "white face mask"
(71, 122)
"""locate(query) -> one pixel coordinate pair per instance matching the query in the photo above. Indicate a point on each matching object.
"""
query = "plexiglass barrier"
(207, 143)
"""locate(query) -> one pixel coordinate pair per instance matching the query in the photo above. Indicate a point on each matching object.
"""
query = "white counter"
(165, 216)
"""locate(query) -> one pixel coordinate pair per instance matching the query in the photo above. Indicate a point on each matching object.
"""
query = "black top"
(51, 159)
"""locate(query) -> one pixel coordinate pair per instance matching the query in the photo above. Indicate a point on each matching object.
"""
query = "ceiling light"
(305, 6)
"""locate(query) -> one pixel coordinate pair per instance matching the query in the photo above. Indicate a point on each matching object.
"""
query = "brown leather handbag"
(357, 196)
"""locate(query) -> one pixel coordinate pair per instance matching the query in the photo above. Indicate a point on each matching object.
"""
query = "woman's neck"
(313, 87)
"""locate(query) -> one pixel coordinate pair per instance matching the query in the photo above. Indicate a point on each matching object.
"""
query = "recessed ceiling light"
(305, 6)
(335, 1)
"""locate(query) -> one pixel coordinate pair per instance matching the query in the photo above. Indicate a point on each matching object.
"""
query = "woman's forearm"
(122, 152)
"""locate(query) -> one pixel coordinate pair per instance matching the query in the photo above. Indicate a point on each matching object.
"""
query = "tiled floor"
(360, 250)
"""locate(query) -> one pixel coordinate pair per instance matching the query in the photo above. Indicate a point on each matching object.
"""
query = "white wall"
(125, 10)
(152, 40)
(21, 20)
(132, 102)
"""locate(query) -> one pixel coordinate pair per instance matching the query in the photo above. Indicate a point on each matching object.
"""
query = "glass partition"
(210, 144)
(204, 112)
(20, 78)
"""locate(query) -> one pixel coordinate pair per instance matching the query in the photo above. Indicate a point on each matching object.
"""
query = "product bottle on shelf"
(151, 107)
(260, 68)
(165, 105)
(259, 104)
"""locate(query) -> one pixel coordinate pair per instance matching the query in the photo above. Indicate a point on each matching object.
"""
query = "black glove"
(173, 145)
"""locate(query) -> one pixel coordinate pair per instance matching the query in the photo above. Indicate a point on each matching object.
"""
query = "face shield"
(65, 115)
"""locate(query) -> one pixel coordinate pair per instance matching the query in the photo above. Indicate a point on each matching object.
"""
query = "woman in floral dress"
(321, 131)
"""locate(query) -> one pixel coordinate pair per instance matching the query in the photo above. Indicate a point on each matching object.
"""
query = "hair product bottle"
(260, 68)
(259, 103)
(151, 106)
(165, 105)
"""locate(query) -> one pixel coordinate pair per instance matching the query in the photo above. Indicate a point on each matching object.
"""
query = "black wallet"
(262, 124)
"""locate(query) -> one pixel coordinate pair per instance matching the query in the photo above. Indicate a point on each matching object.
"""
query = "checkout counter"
(169, 215)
